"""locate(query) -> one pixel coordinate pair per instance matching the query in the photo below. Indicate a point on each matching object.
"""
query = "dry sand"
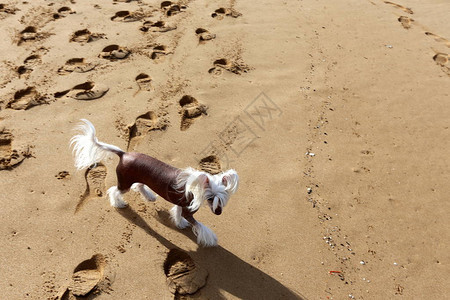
(334, 113)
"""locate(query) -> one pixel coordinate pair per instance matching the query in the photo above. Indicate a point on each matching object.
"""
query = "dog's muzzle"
(218, 210)
(211, 203)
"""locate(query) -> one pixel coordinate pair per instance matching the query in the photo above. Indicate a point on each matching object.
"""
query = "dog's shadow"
(227, 272)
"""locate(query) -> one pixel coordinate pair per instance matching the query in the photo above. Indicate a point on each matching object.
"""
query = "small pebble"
(362, 262)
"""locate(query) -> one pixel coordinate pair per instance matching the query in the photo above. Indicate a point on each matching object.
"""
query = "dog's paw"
(182, 224)
(118, 204)
(205, 236)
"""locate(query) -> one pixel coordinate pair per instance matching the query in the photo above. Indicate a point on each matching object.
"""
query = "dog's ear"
(204, 180)
(190, 197)
(230, 180)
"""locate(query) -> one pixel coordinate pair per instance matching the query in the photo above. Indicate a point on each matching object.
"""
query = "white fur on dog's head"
(216, 190)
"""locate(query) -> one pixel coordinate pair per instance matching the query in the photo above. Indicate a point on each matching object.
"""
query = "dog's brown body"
(160, 177)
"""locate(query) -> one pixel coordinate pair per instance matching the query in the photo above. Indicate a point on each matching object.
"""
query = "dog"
(187, 188)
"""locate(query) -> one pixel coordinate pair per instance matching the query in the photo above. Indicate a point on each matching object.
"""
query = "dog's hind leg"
(116, 198)
(123, 185)
(177, 218)
(145, 191)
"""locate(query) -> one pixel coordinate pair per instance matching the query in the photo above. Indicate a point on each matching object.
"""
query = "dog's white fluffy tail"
(87, 149)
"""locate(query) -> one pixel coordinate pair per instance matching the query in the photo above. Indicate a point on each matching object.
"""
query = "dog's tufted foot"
(145, 191)
(115, 197)
(205, 236)
(178, 220)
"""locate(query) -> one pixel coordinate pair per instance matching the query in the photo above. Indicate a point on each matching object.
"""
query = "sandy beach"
(335, 114)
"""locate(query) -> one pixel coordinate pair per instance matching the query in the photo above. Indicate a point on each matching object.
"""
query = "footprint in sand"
(406, 22)
(114, 52)
(159, 26)
(28, 34)
(77, 65)
(159, 52)
(95, 184)
(60, 94)
(62, 175)
(63, 12)
(221, 13)
(183, 275)
(28, 64)
(144, 82)
(210, 164)
(190, 111)
(230, 66)
(27, 98)
(32, 60)
(24, 71)
(127, 16)
(442, 60)
(84, 36)
(143, 125)
(438, 38)
(204, 35)
(85, 91)
(9, 158)
(405, 9)
(88, 278)
(7, 9)
(170, 8)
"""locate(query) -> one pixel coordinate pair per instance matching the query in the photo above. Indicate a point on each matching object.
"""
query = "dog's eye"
(210, 200)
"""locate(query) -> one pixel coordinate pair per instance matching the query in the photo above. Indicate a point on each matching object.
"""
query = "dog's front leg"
(145, 191)
(205, 236)
(177, 218)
